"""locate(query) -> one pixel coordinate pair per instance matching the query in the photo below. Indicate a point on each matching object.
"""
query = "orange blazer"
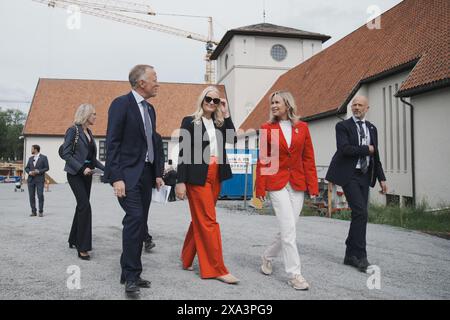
(294, 164)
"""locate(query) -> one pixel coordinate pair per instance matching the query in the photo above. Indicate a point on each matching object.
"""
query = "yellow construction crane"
(117, 10)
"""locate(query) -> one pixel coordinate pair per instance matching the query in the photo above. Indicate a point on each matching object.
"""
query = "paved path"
(35, 255)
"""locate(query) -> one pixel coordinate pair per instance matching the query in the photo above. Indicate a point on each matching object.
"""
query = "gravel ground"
(35, 255)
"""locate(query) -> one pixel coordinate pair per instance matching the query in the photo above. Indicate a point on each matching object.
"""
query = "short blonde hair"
(289, 100)
(217, 116)
(83, 113)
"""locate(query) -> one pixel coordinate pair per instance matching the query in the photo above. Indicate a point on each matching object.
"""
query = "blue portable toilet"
(234, 188)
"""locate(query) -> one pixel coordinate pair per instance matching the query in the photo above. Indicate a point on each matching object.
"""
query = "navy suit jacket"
(41, 166)
(343, 164)
(126, 143)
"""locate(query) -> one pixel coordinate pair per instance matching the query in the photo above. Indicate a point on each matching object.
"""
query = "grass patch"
(418, 218)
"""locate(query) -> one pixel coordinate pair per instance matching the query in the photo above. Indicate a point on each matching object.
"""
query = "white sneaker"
(298, 283)
(266, 266)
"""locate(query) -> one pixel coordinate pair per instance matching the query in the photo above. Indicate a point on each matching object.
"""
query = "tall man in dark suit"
(36, 168)
(132, 167)
(356, 166)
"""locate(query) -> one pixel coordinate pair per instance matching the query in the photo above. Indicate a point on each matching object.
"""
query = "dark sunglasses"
(209, 99)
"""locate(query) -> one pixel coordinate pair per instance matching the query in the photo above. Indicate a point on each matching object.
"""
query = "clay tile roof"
(415, 35)
(268, 30)
(55, 102)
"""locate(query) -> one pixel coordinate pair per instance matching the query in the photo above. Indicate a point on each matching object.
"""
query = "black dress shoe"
(33, 214)
(364, 262)
(141, 283)
(355, 262)
(131, 287)
(149, 245)
(88, 257)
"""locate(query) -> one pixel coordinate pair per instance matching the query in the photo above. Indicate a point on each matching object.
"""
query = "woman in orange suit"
(202, 166)
(285, 170)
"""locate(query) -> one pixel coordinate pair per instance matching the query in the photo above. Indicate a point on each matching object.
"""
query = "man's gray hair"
(137, 73)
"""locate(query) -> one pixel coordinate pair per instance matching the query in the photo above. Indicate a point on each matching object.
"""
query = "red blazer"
(296, 164)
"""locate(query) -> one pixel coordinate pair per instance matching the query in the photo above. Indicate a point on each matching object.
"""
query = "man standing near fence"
(36, 168)
(355, 166)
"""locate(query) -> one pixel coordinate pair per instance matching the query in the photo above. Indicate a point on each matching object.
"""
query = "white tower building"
(250, 59)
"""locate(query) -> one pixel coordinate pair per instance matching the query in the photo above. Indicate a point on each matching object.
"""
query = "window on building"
(405, 141)
(102, 150)
(278, 52)
(408, 201)
(226, 61)
(391, 131)
(385, 128)
(393, 200)
(246, 142)
(257, 140)
(166, 151)
(396, 121)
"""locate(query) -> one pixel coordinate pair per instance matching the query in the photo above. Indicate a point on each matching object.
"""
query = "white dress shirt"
(209, 125)
(36, 158)
(286, 127)
(139, 99)
(364, 142)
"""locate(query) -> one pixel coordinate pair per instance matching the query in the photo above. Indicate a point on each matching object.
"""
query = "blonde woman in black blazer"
(202, 166)
(80, 154)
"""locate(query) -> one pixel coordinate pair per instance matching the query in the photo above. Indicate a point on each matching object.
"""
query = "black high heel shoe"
(87, 257)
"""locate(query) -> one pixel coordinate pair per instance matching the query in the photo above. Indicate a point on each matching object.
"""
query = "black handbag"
(74, 144)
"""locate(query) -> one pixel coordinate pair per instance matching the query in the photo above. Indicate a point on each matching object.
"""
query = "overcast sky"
(36, 42)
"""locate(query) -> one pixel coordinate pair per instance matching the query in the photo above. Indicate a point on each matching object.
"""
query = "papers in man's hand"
(162, 195)
(97, 171)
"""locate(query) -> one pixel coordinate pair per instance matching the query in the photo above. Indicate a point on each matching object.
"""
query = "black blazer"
(126, 143)
(75, 161)
(343, 164)
(41, 166)
(187, 170)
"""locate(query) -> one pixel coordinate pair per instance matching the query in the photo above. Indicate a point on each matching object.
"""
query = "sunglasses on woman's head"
(214, 100)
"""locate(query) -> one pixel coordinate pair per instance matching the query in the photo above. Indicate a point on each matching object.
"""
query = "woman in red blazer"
(285, 169)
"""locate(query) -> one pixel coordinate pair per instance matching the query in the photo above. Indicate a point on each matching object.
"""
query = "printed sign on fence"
(238, 163)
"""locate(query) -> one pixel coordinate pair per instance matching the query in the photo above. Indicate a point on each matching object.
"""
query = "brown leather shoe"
(228, 278)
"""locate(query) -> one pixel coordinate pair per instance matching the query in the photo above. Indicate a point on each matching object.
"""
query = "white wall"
(432, 147)
(49, 147)
(392, 119)
(323, 136)
(252, 70)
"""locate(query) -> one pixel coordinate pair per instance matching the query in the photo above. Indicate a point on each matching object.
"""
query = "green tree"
(11, 127)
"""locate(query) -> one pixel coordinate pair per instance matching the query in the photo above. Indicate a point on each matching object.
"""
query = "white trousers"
(287, 204)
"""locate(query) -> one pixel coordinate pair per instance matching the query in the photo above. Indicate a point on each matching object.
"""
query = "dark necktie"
(362, 135)
(148, 131)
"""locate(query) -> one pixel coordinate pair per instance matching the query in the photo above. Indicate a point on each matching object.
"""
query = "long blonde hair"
(289, 100)
(217, 115)
(83, 113)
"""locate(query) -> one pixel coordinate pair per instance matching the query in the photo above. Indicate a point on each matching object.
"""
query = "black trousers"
(32, 188)
(172, 196)
(81, 231)
(136, 205)
(357, 194)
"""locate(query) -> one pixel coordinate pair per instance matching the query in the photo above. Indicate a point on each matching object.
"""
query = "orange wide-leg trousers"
(203, 237)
